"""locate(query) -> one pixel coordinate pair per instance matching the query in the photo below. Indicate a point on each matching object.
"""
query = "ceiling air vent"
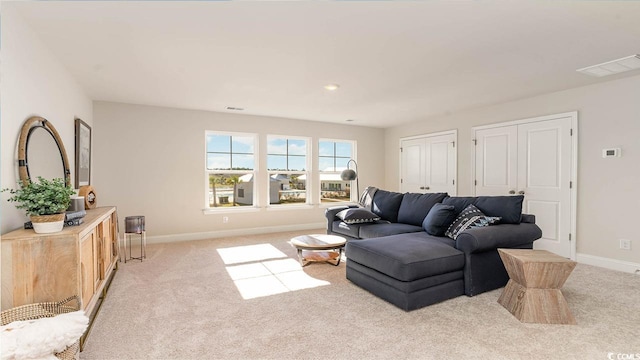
(234, 108)
(613, 67)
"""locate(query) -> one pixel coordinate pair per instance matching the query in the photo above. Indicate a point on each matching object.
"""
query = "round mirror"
(41, 152)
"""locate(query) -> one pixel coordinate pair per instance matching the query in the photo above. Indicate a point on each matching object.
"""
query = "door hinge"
(475, 142)
(401, 181)
(570, 184)
(569, 236)
(475, 182)
(454, 143)
(401, 149)
(454, 182)
(570, 132)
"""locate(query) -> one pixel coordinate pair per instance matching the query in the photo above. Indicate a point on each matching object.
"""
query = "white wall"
(150, 161)
(33, 83)
(608, 190)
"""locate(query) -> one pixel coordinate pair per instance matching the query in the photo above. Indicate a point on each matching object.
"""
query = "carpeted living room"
(348, 179)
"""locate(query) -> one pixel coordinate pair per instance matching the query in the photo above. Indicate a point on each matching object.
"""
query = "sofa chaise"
(414, 250)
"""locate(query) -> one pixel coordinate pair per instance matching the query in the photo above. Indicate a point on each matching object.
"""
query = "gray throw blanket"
(366, 199)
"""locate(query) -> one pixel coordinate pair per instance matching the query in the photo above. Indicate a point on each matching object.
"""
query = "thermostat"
(614, 152)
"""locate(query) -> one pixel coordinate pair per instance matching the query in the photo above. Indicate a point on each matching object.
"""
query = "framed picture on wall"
(83, 153)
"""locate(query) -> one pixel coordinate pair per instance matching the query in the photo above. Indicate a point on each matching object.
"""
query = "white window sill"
(328, 205)
(227, 210)
(289, 207)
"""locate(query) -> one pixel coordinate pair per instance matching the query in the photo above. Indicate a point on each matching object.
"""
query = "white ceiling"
(395, 62)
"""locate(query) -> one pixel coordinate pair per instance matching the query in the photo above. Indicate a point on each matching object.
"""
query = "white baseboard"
(607, 263)
(234, 232)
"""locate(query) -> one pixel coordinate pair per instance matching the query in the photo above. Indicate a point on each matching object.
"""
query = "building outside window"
(287, 168)
(333, 156)
(230, 169)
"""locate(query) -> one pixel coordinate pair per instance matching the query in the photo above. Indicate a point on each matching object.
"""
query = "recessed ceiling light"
(332, 87)
(349, 120)
(234, 108)
(613, 67)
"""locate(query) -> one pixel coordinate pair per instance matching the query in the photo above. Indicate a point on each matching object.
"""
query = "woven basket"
(42, 310)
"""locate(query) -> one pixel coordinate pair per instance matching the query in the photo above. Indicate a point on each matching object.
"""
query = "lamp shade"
(348, 175)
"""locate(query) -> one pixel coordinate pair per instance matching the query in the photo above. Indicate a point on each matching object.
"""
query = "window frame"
(254, 172)
(307, 172)
(354, 156)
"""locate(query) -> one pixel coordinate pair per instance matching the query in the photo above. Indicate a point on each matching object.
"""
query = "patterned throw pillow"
(470, 217)
(357, 216)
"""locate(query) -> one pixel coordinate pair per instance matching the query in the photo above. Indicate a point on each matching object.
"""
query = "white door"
(533, 158)
(544, 176)
(497, 161)
(428, 164)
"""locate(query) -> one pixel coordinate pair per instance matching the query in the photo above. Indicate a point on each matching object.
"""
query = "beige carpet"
(181, 303)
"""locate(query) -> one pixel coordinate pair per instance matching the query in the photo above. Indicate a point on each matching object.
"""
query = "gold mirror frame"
(31, 124)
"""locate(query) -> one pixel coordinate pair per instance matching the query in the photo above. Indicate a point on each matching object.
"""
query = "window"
(333, 156)
(287, 168)
(230, 169)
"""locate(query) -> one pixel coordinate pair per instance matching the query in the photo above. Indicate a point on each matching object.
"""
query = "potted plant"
(45, 201)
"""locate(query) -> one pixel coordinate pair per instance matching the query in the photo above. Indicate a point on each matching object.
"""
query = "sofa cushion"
(357, 215)
(386, 229)
(386, 205)
(406, 257)
(342, 228)
(438, 219)
(459, 202)
(415, 207)
(470, 217)
(509, 208)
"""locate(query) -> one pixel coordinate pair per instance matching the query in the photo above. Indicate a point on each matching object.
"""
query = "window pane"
(341, 163)
(334, 189)
(297, 163)
(227, 190)
(277, 146)
(326, 164)
(242, 162)
(218, 143)
(288, 189)
(297, 147)
(242, 144)
(276, 162)
(344, 149)
(325, 148)
(218, 162)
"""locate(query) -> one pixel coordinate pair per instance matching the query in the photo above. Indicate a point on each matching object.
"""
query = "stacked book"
(71, 218)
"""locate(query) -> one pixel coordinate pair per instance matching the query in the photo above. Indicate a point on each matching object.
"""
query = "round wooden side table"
(319, 248)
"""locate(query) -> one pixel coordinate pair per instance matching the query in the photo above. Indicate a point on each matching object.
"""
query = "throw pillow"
(415, 207)
(357, 216)
(509, 208)
(459, 202)
(438, 219)
(386, 205)
(470, 217)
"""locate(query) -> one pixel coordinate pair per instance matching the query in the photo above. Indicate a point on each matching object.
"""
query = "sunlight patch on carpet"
(259, 271)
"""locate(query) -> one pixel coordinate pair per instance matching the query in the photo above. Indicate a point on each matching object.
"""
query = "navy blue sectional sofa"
(398, 248)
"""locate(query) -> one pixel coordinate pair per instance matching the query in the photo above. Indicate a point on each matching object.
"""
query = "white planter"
(47, 224)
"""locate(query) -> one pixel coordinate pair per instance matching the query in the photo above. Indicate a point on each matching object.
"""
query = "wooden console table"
(79, 260)
(533, 293)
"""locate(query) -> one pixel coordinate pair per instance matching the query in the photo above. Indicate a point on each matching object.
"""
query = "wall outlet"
(625, 244)
(225, 219)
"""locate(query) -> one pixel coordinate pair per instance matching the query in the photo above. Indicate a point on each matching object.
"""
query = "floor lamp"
(350, 175)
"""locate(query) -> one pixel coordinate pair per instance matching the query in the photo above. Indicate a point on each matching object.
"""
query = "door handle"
(521, 192)
(512, 192)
